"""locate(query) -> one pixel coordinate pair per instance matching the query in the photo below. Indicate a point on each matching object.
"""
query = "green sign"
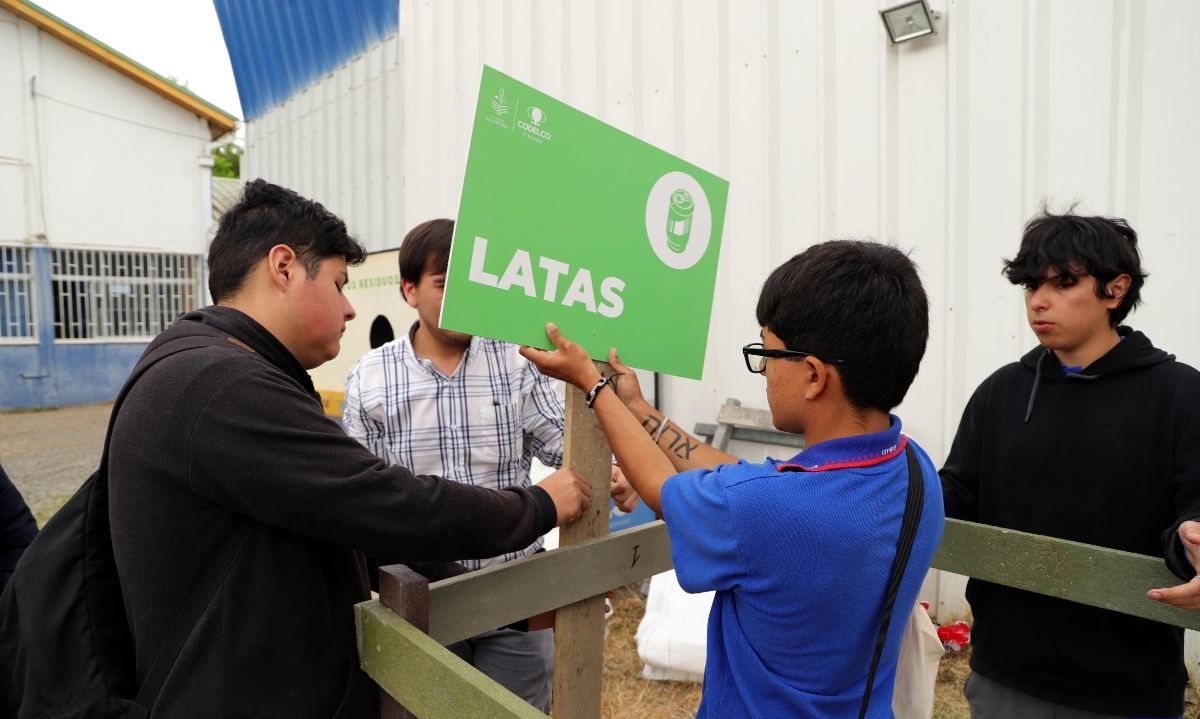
(565, 219)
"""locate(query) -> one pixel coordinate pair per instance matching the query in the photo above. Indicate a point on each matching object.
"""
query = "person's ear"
(816, 374)
(282, 266)
(1117, 288)
(408, 289)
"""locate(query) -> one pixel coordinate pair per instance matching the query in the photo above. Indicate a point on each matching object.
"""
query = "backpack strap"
(189, 616)
(148, 360)
(913, 505)
(202, 594)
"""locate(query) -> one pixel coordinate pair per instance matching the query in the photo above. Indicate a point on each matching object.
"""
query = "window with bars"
(108, 294)
(16, 295)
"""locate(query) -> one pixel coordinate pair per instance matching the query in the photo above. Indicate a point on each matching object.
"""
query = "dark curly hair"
(1077, 246)
(269, 215)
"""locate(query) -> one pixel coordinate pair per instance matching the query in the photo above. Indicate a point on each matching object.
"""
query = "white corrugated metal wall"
(945, 145)
(339, 141)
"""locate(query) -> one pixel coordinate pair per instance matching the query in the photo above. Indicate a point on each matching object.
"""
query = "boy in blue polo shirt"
(798, 552)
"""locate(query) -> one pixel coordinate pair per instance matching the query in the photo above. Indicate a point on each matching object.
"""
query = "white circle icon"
(537, 114)
(678, 220)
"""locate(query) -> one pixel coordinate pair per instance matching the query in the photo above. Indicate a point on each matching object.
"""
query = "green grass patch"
(43, 511)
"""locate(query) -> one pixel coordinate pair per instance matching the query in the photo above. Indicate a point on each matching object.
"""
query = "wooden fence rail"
(427, 678)
(431, 682)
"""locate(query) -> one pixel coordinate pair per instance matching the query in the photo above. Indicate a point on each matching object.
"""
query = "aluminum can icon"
(679, 220)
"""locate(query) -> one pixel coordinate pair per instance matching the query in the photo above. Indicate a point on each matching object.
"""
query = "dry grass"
(626, 693)
(948, 699)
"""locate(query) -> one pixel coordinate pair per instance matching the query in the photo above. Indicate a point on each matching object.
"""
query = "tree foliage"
(227, 161)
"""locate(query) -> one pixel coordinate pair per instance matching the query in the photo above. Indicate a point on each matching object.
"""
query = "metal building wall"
(279, 48)
(945, 145)
(338, 140)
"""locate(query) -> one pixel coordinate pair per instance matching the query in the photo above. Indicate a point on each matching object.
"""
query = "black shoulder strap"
(908, 534)
(189, 616)
(148, 360)
(215, 573)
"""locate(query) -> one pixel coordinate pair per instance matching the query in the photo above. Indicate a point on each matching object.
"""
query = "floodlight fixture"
(909, 21)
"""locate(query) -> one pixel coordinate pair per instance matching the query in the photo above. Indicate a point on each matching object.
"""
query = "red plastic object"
(955, 636)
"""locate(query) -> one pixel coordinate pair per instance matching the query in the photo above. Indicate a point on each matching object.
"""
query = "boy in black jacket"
(1092, 437)
(232, 435)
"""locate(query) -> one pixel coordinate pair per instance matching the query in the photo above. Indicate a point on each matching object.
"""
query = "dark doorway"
(381, 332)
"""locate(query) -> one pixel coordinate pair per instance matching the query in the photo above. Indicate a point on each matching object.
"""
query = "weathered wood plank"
(405, 593)
(430, 680)
(469, 604)
(1097, 576)
(579, 627)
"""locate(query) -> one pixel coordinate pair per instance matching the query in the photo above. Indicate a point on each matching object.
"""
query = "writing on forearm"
(651, 424)
(681, 445)
(676, 441)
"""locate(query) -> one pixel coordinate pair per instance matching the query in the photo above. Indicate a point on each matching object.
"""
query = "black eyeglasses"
(758, 365)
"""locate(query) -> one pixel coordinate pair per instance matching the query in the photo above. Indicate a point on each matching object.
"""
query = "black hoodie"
(1107, 456)
(213, 437)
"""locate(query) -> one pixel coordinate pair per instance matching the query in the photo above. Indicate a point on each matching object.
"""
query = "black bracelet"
(595, 390)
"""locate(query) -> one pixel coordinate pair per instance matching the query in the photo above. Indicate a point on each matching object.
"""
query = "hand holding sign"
(568, 362)
(628, 388)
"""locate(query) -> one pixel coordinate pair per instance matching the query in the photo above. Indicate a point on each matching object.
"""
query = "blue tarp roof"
(279, 47)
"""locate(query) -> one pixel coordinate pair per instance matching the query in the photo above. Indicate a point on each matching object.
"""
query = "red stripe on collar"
(849, 463)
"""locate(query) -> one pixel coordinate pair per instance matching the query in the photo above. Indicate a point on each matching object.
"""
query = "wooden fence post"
(407, 594)
(579, 627)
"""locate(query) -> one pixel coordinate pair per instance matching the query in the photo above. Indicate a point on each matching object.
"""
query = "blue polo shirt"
(799, 554)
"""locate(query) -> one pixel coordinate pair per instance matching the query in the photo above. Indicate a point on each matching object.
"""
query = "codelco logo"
(537, 116)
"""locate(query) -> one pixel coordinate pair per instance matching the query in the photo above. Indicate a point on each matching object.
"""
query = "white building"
(104, 208)
(945, 145)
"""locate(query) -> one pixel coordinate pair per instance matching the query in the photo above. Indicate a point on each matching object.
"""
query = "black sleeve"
(17, 527)
(1186, 480)
(960, 473)
(262, 447)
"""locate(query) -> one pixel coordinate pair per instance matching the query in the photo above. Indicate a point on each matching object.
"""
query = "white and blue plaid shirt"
(481, 426)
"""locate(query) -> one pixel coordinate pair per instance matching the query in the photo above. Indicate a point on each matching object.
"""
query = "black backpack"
(65, 645)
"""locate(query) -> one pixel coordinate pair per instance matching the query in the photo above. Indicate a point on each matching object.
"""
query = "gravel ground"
(48, 454)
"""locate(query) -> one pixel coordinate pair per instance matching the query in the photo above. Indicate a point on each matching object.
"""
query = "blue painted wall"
(74, 374)
(20, 377)
(50, 374)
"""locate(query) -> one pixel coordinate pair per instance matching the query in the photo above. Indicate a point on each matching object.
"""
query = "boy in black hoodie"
(231, 437)
(1092, 437)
